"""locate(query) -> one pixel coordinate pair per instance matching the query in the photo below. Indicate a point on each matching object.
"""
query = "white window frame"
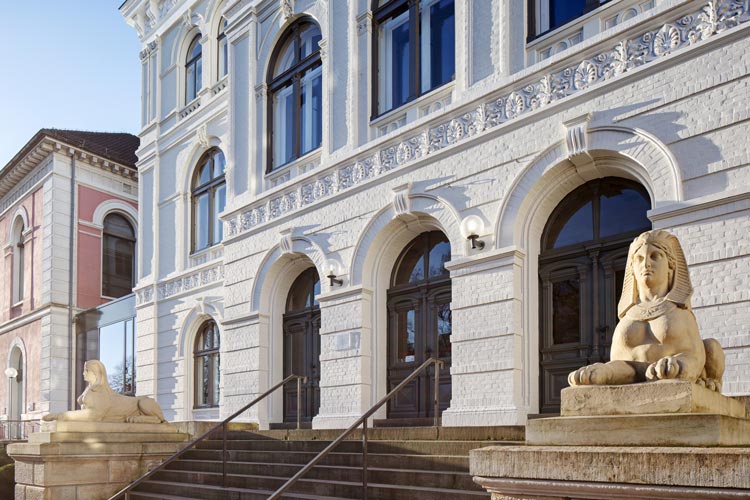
(385, 40)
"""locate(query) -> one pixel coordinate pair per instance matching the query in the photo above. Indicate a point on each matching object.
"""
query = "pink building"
(68, 214)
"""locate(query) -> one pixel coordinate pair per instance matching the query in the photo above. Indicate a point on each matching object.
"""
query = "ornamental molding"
(576, 135)
(285, 241)
(287, 9)
(202, 136)
(401, 200)
(186, 283)
(626, 55)
(364, 23)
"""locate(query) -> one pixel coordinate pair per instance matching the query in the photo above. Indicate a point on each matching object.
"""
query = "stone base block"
(93, 465)
(664, 396)
(639, 430)
(590, 472)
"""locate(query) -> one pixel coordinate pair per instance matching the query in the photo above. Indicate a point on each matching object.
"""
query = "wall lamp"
(471, 227)
(333, 271)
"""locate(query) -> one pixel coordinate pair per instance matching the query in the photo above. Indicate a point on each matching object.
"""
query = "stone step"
(436, 462)
(490, 433)
(337, 489)
(146, 495)
(440, 479)
(412, 447)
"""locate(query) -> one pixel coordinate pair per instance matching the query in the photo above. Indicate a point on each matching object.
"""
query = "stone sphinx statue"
(657, 337)
(99, 403)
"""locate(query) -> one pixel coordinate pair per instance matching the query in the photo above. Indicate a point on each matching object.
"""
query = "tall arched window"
(19, 261)
(581, 271)
(295, 86)
(207, 365)
(193, 69)
(223, 55)
(118, 256)
(420, 324)
(209, 199)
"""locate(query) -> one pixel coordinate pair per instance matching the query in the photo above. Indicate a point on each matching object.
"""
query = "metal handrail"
(223, 424)
(7, 428)
(363, 422)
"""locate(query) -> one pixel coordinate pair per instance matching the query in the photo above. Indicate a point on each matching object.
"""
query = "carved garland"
(713, 18)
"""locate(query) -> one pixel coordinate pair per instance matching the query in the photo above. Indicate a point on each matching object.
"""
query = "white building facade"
(343, 190)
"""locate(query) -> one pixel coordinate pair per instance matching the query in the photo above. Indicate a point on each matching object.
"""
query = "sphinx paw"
(596, 374)
(709, 383)
(666, 368)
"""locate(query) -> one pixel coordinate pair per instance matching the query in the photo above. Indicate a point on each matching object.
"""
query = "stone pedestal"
(657, 440)
(75, 460)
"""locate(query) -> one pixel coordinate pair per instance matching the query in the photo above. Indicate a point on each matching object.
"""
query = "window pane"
(411, 267)
(118, 225)
(117, 266)
(309, 38)
(312, 110)
(216, 378)
(286, 57)
(204, 174)
(198, 73)
(190, 91)
(283, 124)
(223, 57)
(405, 327)
(622, 211)
(129, 357)
(201, 221)
(439, 255)
(205, 379)
(562, 11)
(566, 300)
(444, 329)
(112, 354)
(438, 45)
(395, 64)
(220, 200)
(578, 228)
(220, 163)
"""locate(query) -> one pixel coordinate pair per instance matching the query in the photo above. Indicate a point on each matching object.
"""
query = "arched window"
(209, 199)
(295, 85)
(414, 49)
(223, 55)
(118, 256)
(420, 324)
(193, 69)
(581, 271)
(207, 365)
(19, 261)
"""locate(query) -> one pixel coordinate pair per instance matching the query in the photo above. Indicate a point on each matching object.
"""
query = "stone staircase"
(426, 463)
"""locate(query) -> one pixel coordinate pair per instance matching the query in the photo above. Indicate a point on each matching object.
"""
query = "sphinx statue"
(99, 403)
(657, 337)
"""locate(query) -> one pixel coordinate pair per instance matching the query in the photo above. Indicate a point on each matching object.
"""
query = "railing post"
(299, 403)
(437, 392)
(364, 459)
(224, 455)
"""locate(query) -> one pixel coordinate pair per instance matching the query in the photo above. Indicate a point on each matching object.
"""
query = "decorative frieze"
(167, 289)
(714, 17)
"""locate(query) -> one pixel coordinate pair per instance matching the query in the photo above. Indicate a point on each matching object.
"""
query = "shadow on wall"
(684, 136)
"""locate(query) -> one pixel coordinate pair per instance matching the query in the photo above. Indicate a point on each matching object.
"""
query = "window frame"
(214, 355)
(382, 15)
(192, 61)
(134, 240)
(293, 75)
(211, 187)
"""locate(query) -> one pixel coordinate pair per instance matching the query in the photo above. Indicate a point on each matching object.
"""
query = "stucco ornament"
(99, 403)
(657, 337)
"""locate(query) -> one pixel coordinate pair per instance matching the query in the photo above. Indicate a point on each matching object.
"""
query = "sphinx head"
(656, 260)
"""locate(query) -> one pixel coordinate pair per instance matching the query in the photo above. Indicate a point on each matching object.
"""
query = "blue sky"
(72, 64)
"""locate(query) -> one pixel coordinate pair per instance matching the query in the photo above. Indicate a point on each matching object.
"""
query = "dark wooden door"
(581, 269)
(302, 347)
(419, 327)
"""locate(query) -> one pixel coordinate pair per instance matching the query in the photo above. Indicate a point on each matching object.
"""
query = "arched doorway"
(584, 249)
(301, 328)
(419, 324)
